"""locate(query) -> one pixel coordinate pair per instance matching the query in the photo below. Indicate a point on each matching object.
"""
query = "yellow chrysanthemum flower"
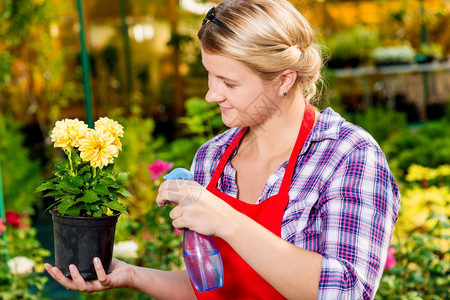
(67, 133)
(117, 143)
(98, 147)
(109, 125)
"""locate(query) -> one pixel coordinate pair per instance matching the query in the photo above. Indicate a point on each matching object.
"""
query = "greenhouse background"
(138, 61)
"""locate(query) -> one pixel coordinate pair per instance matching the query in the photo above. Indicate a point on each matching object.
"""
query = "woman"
(301, 203)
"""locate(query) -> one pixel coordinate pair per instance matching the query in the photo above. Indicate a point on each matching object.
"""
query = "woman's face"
(243, 97)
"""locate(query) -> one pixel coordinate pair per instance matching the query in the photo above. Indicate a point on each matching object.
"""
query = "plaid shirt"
(343, 202)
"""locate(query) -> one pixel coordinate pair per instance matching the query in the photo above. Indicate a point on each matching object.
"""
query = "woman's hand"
(120, 276)
(196, 208)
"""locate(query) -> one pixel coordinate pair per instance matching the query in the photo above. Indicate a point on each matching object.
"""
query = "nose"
(213, 94)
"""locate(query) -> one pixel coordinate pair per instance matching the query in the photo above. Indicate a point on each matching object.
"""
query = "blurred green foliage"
(422, 267)
(426, 144)
(381, 122)
(34, 82)
(201, 122)
(20, 174)
(21, 241)
(352, 46)
(421, 238)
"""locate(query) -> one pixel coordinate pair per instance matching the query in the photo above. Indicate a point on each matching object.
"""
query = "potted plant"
(429, 52)
(351, 47)
(393, 55)
(86, 193)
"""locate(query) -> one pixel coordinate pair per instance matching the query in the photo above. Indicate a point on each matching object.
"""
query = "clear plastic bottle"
(203, 261)
(200, 252)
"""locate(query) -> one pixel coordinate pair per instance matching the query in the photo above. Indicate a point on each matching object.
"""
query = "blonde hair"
(268, 36)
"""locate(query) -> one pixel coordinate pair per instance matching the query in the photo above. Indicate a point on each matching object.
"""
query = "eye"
(229, 85)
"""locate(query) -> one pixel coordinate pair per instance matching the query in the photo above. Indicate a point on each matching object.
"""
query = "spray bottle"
(200, 253)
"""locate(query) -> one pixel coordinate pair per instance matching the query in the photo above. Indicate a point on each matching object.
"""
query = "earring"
(285, 94)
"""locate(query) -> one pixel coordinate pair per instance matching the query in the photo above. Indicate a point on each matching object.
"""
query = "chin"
(238, 120)
(235, 123)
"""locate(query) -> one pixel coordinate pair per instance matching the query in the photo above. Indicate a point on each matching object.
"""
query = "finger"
(77, 278)
(48, 267)
(180, 217)
(162, 200)
(162, 197)
(176, 213)
(59, 276)
(101, 274)
(180, 224)
(170, 192)
(50, 270)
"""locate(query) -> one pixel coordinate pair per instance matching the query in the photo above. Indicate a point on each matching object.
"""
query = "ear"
(287, 81)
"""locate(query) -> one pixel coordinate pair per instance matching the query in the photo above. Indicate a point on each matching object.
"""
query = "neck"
(277, 135)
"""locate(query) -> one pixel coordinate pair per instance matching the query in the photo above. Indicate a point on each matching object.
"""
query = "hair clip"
(210, 16)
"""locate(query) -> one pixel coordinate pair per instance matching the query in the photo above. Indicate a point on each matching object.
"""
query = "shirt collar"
(327, 126)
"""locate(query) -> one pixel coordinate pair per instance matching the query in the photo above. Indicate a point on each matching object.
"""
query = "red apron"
(240, 280)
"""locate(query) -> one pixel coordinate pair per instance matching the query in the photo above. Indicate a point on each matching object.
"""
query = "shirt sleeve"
(358, 207)
(197, 166)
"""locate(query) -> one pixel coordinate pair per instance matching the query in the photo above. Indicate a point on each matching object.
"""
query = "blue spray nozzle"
(179, 173)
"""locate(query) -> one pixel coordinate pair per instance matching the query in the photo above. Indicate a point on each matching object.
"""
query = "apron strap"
(305, 128)
(226, 155)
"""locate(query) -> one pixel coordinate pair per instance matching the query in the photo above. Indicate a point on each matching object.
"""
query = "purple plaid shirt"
(343, 202)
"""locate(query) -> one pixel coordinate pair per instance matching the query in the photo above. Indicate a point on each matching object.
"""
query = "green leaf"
(107, 182)
(100, 189)
(124, 192)
(51, 206)
(122, 178)
(73, 210)
(62, 173)
(55, 194)
(113, 205)
(108, 168)
(113, 196)
(77, 180)
(87, 177)
(46, 186)
(62, 165)
(69, 187)
(89, 197)
(86, 168)
(98, 213)
(65, 204)
(91, 207)
(75, 157)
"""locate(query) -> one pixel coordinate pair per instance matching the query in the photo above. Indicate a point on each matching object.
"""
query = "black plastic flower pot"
(79, 239)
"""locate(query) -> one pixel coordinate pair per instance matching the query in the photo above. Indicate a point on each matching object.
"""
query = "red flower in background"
(2, 227)
(13, 218)
(158, 168)
(390, 261)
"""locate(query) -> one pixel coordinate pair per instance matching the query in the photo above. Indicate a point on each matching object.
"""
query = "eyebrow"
(223, 77)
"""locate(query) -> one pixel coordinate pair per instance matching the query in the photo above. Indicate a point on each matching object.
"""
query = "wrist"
(231, 224)
(131, 277)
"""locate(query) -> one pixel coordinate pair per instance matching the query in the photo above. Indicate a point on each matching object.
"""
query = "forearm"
(161, 284)
(292, 271)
